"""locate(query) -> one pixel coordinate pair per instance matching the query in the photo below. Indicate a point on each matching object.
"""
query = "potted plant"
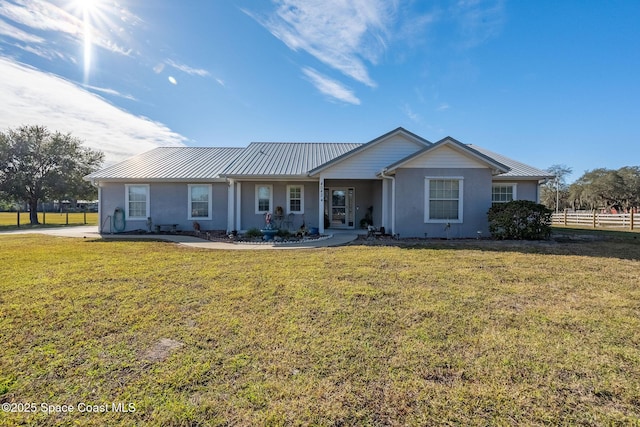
(367, 221)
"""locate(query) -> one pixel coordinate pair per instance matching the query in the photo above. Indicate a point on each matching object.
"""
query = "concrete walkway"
(88, 231)
(336, 239)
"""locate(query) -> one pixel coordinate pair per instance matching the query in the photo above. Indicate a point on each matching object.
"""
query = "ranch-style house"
(400, 181)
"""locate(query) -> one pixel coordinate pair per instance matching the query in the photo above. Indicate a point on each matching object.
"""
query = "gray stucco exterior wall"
(367, 193)
(249, 219)
(410, 203)
(527, 190)
(168, 204)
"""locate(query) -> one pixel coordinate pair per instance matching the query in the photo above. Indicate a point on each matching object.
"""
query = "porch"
(327, 204)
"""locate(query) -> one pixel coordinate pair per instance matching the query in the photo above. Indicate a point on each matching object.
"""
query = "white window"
(503, 193)
(264, 198)
(200, 200)
(443, 199)
(137, 201)
(295, 199)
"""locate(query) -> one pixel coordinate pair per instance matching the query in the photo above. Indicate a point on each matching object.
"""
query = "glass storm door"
(341, 210)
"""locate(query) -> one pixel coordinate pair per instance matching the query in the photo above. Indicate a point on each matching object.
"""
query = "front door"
(340, 210)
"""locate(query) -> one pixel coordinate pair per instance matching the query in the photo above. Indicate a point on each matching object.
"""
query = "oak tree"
(36, 164)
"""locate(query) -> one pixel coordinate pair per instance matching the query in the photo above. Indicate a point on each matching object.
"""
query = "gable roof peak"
(402, 130)
(417, 139)
(449, 138)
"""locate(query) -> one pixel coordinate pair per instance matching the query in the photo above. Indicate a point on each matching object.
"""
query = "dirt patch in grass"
(161, 350)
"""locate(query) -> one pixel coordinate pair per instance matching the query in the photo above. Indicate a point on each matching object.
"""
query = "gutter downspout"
(96, 184)
(393, 199)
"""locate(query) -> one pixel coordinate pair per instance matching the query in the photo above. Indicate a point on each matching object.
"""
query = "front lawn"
(499, 334)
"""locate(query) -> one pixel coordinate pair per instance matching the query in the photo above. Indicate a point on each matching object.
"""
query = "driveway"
(67, 231)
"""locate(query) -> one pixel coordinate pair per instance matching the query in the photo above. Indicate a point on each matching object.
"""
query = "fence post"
(67, 218)
(565, 216)
(594, 218)
(44, 217)
(85, 217)
(631, 220)
(18, 222)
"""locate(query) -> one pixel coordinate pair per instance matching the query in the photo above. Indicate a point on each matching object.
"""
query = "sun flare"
(89, 10)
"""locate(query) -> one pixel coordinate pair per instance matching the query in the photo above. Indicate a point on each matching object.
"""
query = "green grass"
(603, 232)
(501, 333)
(9, 220)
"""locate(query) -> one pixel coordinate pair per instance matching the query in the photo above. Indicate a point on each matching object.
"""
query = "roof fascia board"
(522, 177)
(456, 145)
(144, 180)
(241, 178)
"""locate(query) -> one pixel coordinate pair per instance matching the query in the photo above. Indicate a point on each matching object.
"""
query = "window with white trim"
(503, 193)
(295, 199)
(137, 201)
(264, 198)
(443, 199)
(200, 201)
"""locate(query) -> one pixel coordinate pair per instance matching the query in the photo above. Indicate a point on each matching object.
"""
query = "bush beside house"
(520, 220)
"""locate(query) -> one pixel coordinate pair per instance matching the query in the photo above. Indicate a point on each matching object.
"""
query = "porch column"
(385, 204)
(100, 220)
(230, 205)
(321, 205)
(393, 205)
(238, 206)
(389, 209)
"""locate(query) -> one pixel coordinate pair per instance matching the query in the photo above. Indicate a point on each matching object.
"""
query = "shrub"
(285, 234)
(520, 220)
(253, 232)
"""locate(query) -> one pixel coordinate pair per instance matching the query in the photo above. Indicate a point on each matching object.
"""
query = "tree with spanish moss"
(37, 164)
(607, 189)
(555, 192)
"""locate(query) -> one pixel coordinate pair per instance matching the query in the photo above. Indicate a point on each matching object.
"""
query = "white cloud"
(187, 69)
(30, 97)
(9, 30)
(341, 34)
(51, 54)
(351, 35)
(111, 92)
(173, 80)
(478, 20)
(45, 16)
(330, 87)
(412, 115)
(41, 15)
(443, 107)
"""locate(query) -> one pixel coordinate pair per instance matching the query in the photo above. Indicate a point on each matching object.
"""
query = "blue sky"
(544, 82)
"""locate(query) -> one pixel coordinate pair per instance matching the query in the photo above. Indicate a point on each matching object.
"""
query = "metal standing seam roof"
(264, 159)
(517, 169)
(285, 158)
(165, 163)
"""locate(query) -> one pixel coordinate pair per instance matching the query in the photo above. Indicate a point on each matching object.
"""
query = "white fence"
(595, 219)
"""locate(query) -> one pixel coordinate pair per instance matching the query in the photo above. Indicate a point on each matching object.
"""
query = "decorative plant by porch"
(253, 232)
(368, 218)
